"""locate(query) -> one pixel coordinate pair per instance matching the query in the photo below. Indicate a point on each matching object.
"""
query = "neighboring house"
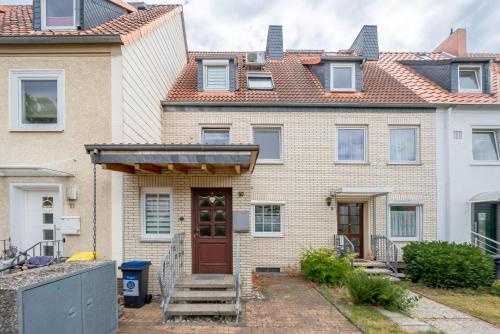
(268, 153)
(72, 73)
(468, 141)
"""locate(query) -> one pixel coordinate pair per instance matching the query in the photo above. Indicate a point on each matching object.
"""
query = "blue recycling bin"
(135, 283)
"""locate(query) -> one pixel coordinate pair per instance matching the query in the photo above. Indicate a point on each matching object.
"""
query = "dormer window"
(469, 79)
(260, 81)
(216, 75)
(342, 77)
(58, 15)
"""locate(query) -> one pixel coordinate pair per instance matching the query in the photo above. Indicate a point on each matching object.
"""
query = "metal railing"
(172, 267)
(342, 244)
(238, 278)
(486, 244)
(385, 250)
(46, 248)
(6, 247)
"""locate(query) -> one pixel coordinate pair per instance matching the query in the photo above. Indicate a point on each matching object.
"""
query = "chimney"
(455, 44)
(366, 43)
(274, 45)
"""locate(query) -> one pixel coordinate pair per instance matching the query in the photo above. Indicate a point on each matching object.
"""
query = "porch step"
(369, 264)
(206, 281)
(378, 271)
(201, 309)
(198, 296)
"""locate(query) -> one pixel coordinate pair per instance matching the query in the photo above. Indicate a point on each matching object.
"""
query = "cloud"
(333, 24)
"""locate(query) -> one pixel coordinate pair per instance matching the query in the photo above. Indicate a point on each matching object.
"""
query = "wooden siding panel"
(150, 67)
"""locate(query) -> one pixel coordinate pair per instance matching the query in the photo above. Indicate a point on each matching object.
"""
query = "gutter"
(169, 147)
(76, 39)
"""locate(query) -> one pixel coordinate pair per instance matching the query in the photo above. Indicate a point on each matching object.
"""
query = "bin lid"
(135, 265)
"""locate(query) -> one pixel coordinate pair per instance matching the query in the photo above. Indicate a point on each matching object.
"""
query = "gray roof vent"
(139, 5)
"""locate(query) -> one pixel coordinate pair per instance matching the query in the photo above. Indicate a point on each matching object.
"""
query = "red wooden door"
(212, 232)
(350, 224)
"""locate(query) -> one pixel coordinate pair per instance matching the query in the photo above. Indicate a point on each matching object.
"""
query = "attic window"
(342, 77)
(216, 75)
(469, 79)
(58, 15)
(260, 81)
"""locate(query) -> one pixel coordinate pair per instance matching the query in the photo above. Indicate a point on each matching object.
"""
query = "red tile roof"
(16, 21)
(386, 81)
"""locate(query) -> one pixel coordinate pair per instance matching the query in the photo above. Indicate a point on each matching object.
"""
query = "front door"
(350, 224)
(212, 231)
(485, 221)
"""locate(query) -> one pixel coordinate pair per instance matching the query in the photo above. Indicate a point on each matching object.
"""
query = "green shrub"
(324, 266)
(448, 265)
(378, 291)
(495, 288)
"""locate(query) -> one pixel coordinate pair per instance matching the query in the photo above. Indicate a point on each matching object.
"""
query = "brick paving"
(292, 306)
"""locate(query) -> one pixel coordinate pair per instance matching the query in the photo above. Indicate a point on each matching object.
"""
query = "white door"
(42, 214)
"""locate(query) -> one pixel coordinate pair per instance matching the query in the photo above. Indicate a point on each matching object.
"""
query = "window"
(484, 145)
(268, 219)
(216, 75)
(215, 136)
(156, 213)
(405, 221)
(351, 144)
(260, 81)
(37, 100)
(269, 141)
(469, 79)
(342, 77)
(58, 15)
(403, 144)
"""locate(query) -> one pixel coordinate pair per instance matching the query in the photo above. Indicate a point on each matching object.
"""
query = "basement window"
(260, 81)
(58, 15)
(469, 79)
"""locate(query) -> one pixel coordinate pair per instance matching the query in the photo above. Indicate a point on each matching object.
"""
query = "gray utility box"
(74, 297)
(241, 221)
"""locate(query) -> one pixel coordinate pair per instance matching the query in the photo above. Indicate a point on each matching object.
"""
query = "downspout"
(447, 163)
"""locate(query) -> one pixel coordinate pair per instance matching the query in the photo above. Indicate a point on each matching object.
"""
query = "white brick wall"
(307, 176)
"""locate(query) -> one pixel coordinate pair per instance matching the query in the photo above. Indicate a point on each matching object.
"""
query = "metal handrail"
(238, 278)
(385, 250)
(5, 247)
(32, 251)
(486, 244)
(342, 244)
(172, 267)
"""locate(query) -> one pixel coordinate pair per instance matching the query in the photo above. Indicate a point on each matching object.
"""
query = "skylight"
(260, 81)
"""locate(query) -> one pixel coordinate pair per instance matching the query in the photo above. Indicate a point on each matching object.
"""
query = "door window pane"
(404, 221)
(484, 145)
(60, 13)
(215, 136)
(351, 144)
(205, 230)
(204, 216)
(220, 230)
(157, 214)
(342, 77)
(267, 219)
(403, 142)
(220, 215)
(269, 141)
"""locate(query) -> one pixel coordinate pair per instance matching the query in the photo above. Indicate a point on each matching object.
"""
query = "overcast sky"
(403, 25)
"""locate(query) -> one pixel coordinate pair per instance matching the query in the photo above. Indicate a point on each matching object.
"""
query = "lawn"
(362, 315)
(480, 304)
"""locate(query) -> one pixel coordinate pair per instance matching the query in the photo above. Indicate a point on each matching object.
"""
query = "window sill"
(351, 163)
(270, 162)
(404, 163)
(22, 129)
(404, 239)
(485, 163)
(153, 240)
(268, 235)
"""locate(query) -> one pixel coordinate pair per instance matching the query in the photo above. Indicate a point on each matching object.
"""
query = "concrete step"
(201, 309)
(198, 296)
(369, 264)
(206, 281)
(377, 271)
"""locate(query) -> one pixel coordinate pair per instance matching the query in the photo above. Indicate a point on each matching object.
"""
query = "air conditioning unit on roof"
(256, 58)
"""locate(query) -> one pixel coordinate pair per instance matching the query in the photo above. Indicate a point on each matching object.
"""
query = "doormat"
(210, 277)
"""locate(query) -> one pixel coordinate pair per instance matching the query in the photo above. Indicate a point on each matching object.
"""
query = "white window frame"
(269, 126)
(43, 11)
(265, 75)
(479, 78)
(417, 143)
(497, 146)
(215, 62)
(280, 234)
(419, 220)
(15, 99)
(353, 77)
(213, 128)
(155, 190)
(365, 143)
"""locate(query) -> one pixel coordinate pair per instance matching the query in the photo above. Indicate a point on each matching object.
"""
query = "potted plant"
(8, 255)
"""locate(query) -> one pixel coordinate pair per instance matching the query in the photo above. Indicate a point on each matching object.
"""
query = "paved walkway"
(293, 307)
(449, 320)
